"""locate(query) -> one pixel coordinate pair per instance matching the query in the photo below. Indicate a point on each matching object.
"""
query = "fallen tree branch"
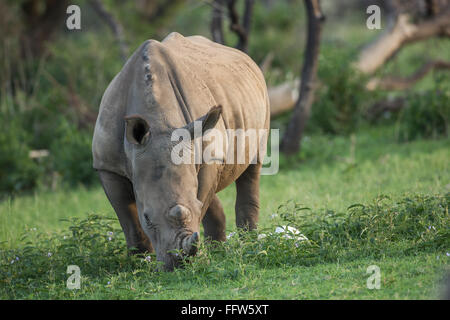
(283, 97)
(397, 35)
(397, 83)
(38, 154)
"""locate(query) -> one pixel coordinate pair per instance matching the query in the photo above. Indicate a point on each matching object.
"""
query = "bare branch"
(242, 31)
(397, 83)
(216, 22)
(114, 25)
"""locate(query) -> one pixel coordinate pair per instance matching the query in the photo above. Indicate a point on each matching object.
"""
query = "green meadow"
(361, 200)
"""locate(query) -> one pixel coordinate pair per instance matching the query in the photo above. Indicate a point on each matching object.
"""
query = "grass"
(398, 220)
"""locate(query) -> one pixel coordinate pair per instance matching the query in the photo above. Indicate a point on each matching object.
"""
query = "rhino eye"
(149, 223)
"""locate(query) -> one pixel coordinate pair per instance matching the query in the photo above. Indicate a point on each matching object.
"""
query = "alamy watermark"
(374, 20)
(374, 281)
(74, 281)
(73, 21)
(234, 146)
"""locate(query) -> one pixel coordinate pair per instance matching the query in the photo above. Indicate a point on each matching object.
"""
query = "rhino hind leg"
(119, 191)
(247, 198)
(214, 221)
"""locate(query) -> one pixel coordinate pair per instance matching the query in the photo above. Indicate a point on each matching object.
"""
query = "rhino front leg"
(119, 191)
(247, 198)
(214, 221)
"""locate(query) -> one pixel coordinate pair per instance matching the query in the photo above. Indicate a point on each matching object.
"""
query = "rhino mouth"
(187, 245)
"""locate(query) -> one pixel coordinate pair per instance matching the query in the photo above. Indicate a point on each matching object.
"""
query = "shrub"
(95, 244)
(341, 96)
(17, 171)
(72, 156)
(38, 127)
(426, 115)
(409, 225)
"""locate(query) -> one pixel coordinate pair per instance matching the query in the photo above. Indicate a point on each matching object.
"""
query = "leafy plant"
(72, 156)
(17, 171)
(427, 114)
(341, 96)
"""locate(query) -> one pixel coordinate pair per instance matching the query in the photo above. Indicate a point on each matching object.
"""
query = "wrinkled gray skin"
(164, 86)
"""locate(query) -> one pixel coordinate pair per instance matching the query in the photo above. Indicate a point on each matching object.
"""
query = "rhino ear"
(208, 121)
(211, 118)
(137, 130)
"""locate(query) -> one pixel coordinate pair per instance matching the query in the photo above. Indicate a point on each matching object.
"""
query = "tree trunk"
(292, 138)
(42, 18)
(216, 22)
(241, 30)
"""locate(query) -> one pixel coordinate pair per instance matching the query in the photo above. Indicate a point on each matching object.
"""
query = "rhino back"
(230, 76)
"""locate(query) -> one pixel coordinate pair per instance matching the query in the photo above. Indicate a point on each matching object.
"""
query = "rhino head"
(166, 193)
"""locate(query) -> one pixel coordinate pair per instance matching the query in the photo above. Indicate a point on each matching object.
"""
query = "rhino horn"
(180, 213)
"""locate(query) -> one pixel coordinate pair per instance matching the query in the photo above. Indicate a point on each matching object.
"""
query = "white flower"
(148, 258)
(302, 237)
(261, 236)
(49, 254)
(287, 231)
(12, 261)
(230, 235)
(109, 238)
(17, 258)
(273, 216)
(110, 233)
(290, 233)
